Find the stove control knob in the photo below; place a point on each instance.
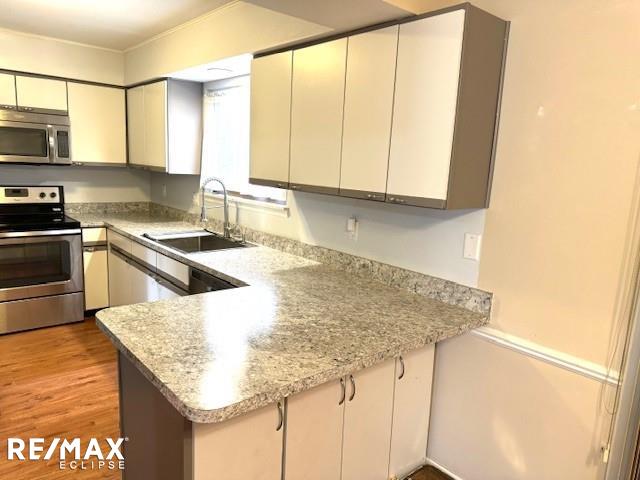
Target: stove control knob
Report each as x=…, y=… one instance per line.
x=42, y=195
x=53, y=194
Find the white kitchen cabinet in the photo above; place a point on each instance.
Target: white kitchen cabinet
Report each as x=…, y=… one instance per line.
x=7, y=91
x=144, y=287
x=317, y=101
x=411, y=409
x=120, y=281
x=368, y=105
x=135, y=125
x=164, y=291
x=271, y=119
x=314, y=433
x=246, y=447
x=367, y=423
x=41, y=94
x=445, y=106
x=96, y=278
x=155, y=125
x=424, y=114
x=165, y=126
x=98, y=124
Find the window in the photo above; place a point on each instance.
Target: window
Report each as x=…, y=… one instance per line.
x=225, y=144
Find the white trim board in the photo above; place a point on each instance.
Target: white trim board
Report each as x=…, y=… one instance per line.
x=435, y=464
x=548, y=355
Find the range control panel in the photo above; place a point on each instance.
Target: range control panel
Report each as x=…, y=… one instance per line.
x=31, y=194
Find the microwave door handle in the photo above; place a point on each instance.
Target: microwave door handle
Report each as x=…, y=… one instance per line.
x=52, y=144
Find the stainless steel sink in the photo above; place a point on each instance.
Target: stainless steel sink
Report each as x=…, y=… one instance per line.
x=196, y=241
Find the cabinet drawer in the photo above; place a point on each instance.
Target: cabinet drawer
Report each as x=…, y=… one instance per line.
x=144, y=254
x=120, y=241
x=92, y=236
x=173, y=268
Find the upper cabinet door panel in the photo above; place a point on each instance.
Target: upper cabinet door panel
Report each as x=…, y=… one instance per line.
x=155, y=125
x=135, y=125
x=98, y=119
x=368, y=104
x=316, y=114
x=424, y=112
x=271, y=117
x=41, y=93
x=7, y=90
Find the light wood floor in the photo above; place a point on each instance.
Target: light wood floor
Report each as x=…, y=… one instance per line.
x=57, y=382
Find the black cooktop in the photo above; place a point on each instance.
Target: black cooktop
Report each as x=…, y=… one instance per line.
x=30, y=223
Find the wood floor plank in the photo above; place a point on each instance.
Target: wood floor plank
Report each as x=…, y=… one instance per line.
x=57, y=382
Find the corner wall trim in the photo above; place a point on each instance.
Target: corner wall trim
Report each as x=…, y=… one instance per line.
x=548, y=355
x=435, y=464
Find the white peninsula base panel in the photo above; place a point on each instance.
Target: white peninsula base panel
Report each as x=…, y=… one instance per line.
x=372, y=424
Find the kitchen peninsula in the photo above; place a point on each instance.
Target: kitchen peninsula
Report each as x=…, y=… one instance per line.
x=304, y=367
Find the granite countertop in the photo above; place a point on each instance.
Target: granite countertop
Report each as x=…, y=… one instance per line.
x=294, y=324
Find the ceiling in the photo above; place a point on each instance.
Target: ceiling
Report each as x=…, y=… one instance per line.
x=121, y=24
x=116, y=24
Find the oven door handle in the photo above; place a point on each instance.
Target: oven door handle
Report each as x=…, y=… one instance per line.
x=41, y=233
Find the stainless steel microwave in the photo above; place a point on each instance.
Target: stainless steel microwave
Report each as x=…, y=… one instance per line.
x=34, y=138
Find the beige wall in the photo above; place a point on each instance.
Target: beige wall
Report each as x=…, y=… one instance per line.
x=234, y=29
x=35, y=54
x=556, y=248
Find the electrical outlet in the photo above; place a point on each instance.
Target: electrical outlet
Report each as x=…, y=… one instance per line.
x=352, y=228
x=472, y=243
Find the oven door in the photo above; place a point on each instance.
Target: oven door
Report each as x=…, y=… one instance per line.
x=25, y=142
x=38, y=264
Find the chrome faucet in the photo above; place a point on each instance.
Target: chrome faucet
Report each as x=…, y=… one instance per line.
x=225, y=204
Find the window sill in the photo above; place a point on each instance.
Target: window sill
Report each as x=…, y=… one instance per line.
x=271, y=208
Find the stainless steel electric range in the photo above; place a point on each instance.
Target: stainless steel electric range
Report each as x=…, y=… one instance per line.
x=41, y=273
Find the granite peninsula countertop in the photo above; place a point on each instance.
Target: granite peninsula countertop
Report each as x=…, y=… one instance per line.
x=294, y=324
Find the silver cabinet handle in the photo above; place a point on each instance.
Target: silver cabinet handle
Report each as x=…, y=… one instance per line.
x=279, y=185
x=343, y=388
x=353, y=388
x=280, y=417
x=401, y=365
x=294, y=187
x=370, y=196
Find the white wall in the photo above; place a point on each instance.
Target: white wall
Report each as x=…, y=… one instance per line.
x=83, y=184
x=47, y=56
x=233, y=29
x=419, y=239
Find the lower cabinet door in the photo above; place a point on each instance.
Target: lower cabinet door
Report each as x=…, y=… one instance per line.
x=96, y=279
x=246, y=447
x=119, y=281
x=314, y=433
x=144, y=287
x=411, y=408
x=367, y=423
x=165, y=293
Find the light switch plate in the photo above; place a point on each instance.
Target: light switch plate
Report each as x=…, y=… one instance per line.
x=472, y=243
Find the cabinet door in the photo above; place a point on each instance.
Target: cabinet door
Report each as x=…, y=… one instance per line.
x=96, y=279
x=98, y=121
x=411, y=409
x=429, y=52
x=135, y=125
x=144, y=287
x=7, y=90
x=368, y=104
x=271, y=118
x=155, y=125
x=164, y=292
x=367, y=423
x=314, y=433
x=41, y=93
x=245, y=447
x=316, y=116
x=119, y=281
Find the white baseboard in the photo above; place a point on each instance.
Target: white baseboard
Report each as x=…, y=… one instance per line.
x=553, y=357
x=443, y=469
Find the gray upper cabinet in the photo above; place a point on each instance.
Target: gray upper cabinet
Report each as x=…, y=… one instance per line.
x=404, y=114
x=165, y=126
